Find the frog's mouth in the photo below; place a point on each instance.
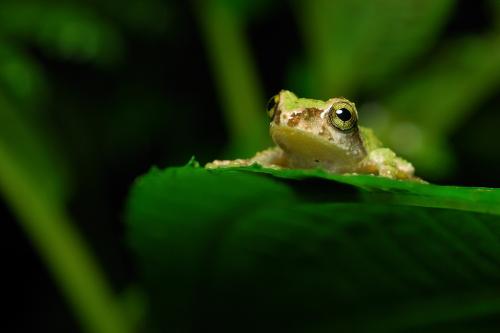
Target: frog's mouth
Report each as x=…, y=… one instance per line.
x=307, y=150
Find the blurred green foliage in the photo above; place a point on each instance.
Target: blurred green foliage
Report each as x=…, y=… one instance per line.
x=35, y=177
x=384, y=37
x=92, y=93
x=236, y=76
x=70, y=31
x=416, y=106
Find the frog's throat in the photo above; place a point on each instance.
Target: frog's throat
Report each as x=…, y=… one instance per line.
x=307, y=150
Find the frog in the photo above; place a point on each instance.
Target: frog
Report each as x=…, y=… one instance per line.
x=312, y=134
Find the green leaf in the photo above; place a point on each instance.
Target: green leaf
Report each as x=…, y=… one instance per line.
x=74, y=32
x=359, y=44
x=374, y=188
x=252, y=249
x=35, y=152
x=21, y=77
x=462, y=75
x=150, y=18
x=34, y=184
x=245, y=8
x=235, y=76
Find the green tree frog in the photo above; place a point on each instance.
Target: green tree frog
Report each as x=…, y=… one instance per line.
x=311, y=133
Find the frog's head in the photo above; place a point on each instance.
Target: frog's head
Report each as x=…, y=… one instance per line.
x=316, y=133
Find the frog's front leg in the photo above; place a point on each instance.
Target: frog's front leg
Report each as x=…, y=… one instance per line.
x=270, y=158
x=384, y=162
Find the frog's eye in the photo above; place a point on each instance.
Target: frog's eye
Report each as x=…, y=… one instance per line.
x=343, y=116
x=271, y=106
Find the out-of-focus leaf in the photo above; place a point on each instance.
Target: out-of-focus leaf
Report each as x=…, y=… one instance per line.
x=244, y=8
x=236, y=77
x=462, y=75
x=437, y=99
x=359, y=44
x=254, y=249
x=21, y=78
x=33, y=186
x=71, y=31
x=148, y=17
x=34, y=152
x=495, y=5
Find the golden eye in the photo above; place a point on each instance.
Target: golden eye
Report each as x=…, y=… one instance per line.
x=343, y=116
x=271, y=106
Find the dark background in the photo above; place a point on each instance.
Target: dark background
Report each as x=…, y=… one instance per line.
x=134, y=85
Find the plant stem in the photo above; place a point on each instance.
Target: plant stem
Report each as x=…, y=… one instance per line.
x=60, y=246
x=235, y=76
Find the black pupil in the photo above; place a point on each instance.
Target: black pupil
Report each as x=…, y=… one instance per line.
x=271, y=104
x=343, y=114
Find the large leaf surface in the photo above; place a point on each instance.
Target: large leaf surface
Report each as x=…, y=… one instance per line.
x=255, y=249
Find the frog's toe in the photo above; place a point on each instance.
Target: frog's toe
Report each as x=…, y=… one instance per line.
x=227, y=163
